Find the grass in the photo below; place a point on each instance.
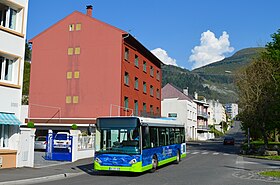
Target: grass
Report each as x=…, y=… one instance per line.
x=271, y=173
x=276, y=158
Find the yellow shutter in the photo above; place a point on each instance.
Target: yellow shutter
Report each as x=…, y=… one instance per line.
x=77, y=51
x=78, y=26
x=75, y=99
x=70, y=51
x=76, y=74
x=68, y=99
x=69, y=75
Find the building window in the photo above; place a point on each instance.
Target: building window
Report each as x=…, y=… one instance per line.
x=77, y=51
x=70, y=51
x=158, y=113
x=6, y=69
x=71, y=27
x=78, y=27
x=158, y=95
x=69, y=75
x=151, y=109
x=4, y=136
x=126, y=102
x=12, y=19
x=126, y=53
x=8, y=17
x=136, y=83
x=135, y=107
x=152, y=71
x=68, y=99
x=144, y=87
x=126, y=78
x=136, y=59
x=151, y=90
x=144, y=66
x=75, y=99
x=144, y=107
x=158, y=75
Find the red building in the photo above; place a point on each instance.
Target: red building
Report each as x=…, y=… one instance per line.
x=83, y=68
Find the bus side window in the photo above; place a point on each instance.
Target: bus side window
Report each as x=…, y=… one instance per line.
x=172, y=136
x=154, y=137
x=162, y=136
x=145, y=137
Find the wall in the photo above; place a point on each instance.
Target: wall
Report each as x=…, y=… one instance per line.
x=25, y=153
x=99, y=64
x=181, y=107
x=137, y=71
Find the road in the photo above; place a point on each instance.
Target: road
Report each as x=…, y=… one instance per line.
x=209, y=163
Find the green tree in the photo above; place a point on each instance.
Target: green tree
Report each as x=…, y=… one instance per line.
x=26, y=74
x=259, y=92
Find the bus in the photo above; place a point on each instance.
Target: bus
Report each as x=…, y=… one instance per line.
x=137, y=144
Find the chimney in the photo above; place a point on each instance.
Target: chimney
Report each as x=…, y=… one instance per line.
x=89, y=10
x=186, y=91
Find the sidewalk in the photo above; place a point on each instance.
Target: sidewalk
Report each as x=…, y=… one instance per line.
x=39, y=175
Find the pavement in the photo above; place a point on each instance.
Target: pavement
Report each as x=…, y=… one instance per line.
x=44, y=174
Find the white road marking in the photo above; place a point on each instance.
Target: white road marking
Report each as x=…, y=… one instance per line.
x=195, y=153
x=215, y=153
x=204, y=153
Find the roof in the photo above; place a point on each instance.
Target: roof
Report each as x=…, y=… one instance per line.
x=170, y=91
x=80, y=14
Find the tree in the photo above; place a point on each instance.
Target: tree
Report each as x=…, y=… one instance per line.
x=259, y=92
x=256, y=87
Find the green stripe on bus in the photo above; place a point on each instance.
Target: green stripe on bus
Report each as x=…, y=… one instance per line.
x=183, y=155
x=166, y=161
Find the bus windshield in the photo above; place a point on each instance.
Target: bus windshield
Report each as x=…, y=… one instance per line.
x=119, y=140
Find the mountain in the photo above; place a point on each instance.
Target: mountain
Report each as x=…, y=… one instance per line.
x=214, y=81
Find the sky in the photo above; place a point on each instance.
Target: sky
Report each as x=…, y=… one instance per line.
x=184, y=33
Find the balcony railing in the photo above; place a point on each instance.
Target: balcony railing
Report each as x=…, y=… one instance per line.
x=202, y=114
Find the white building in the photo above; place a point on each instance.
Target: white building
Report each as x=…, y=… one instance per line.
x=179, y=105
x=13, y=19
x=217, y=114
x=232, y=110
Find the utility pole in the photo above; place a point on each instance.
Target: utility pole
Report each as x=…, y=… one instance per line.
x=248, y=137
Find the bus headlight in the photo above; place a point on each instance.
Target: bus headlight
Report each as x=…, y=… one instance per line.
x=133, y=161
x=98, y=160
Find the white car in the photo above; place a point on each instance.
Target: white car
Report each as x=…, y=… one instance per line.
x=40, y=143
x=61, y=140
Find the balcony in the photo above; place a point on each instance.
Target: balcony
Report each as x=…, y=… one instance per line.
x=202, y=114
x=203, y=128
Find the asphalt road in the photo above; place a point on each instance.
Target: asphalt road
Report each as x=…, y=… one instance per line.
x=207, y=163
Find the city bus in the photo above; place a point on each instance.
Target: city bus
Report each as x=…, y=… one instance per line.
x=137, y=144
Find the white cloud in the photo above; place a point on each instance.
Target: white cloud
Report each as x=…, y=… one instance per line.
x=163, y=56
x=211, y=49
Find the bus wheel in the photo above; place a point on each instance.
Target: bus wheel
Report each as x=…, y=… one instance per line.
x=154, y=164
x=178, y=157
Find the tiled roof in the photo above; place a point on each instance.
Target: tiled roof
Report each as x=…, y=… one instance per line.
x=170, y=91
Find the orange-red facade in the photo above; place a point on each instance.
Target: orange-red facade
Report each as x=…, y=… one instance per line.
x=78, y=71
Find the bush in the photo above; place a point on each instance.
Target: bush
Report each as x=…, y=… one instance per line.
x=30, y=124
x=74, y=127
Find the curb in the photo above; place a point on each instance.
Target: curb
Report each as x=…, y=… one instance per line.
x=42, y=179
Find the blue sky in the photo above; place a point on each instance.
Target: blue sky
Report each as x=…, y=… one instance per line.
x=175, y=30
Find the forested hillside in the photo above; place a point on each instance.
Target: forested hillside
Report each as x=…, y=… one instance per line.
x=214, y=81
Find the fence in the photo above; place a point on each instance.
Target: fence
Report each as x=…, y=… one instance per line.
x=85, y=142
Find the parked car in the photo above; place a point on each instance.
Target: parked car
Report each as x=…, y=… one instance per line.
x=228, y=140
x=40, y=143
x=61, y=140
